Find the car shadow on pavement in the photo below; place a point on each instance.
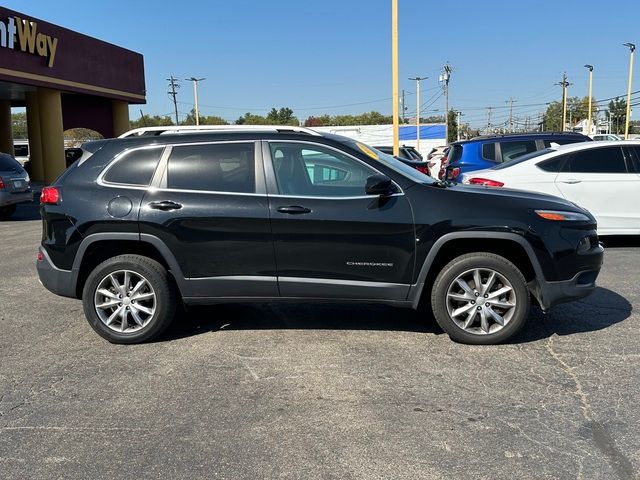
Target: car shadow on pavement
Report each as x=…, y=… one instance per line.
x=600, y=310
x=620, y=241
x=26, y=211
x=303, y=316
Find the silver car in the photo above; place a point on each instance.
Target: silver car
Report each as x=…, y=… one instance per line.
x=15, y=186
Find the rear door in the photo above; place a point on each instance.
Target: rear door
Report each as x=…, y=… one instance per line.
x=603, y=181
x=210, y=209
x=331, y=239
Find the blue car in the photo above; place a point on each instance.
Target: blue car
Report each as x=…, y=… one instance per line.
x=489, y=150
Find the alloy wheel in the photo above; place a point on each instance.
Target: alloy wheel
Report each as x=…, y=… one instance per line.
x=125, y=301
x=481, y=301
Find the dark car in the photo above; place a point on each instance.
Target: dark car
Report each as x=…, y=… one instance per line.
x=287, y=214
x=15, y=185
x=405, y=152
x=409, y=156
x=489, y=150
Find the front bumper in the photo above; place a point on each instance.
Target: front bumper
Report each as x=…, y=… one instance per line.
x=60, y=282
x=579, y=286
x=8, y=198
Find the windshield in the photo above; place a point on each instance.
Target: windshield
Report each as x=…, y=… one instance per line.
x=523, y=158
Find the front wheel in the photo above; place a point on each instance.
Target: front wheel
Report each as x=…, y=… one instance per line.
x=129, y=299
x=480, y=298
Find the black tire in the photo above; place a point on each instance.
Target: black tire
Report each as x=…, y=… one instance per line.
x=158, y=278
x=468, y=262
x=6, y=212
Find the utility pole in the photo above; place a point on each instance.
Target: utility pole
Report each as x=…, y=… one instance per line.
x=590, y=67
x=488, y=119
x=417, y=79
x=564, y=84
x=195, y=96
x=173, y=85
x=510, y=102
x=632, y=49
x=394, y=76
x=444, y=78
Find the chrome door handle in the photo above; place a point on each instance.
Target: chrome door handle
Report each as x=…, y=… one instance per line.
x=571, y=181
x=165, y=205
x=294, y=210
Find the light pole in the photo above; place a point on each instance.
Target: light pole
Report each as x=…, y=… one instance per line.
x=195, y=95
x=417, y=79
x=590, y=67
x=394, y=76
x=632, y=48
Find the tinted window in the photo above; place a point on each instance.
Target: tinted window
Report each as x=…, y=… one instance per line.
x=7, y=163
x=636, y=150
x=511, y=150
x=135, y=167
x=21, y=150
x=455, y=153
x=489, y=151
x=523, y=158
x=597, y=160
x=224, y=167
x=310, y=170
x=553, y=165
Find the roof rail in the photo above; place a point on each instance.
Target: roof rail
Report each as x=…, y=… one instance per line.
x=521, y=134
x=180, y=129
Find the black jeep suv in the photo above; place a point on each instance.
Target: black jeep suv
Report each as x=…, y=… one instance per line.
x=140, y=224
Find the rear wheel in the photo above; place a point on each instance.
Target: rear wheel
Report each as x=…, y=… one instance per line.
x=129, y=299
x=6, y=212
x=480, y=298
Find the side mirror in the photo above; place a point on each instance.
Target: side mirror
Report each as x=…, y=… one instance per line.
x=379, y=185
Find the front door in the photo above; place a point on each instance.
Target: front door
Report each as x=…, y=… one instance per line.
x=330, y=238
x=210, y=209
x=602, y=180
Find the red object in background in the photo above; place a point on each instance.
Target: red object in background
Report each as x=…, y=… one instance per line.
x=485, y=181
x=49, y=196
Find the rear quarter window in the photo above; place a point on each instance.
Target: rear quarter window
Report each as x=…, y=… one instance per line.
x=135, y=167
x=489, y=151
x=8, y=163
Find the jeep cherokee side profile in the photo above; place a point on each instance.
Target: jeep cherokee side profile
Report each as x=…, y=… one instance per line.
x=285, y=213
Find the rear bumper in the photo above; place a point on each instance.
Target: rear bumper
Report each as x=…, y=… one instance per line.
x=581, y=285
x=8, y=198
x=60, y=282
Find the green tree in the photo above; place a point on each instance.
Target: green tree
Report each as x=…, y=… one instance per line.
x=19, y=125
x=577, y=110
x=452, y=124
x=208, y=120
x=251, y=119
x=617, y=115
x=284, y=116
x=151, y=121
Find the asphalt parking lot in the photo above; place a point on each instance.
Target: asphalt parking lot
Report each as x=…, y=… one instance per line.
x=316, y=391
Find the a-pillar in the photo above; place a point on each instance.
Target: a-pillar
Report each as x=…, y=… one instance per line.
x=51, y=133
x=36, y=163
x=6, y=133
x=120, y=115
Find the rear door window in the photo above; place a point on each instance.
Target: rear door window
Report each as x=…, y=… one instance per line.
x=135, y=167
x=220, y=167
x=515, y=149
x=597, y=160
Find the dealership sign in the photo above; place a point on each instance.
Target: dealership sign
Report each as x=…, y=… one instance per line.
x=19, y=34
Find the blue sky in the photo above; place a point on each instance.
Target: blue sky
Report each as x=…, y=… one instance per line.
x=333, y=56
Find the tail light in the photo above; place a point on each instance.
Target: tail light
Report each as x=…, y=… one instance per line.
x=423, y=169
x=444, y=161
x=50, y=196
x=453, y=173
x=485, y=181
x=1, y=184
